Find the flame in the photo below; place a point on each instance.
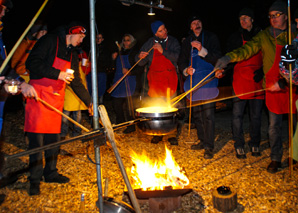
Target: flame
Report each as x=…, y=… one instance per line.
x=150, y=174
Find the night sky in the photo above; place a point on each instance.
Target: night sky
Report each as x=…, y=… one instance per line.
x=115, y=19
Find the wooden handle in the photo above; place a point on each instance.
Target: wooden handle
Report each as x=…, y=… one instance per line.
x=118, y=82
x=61, y=113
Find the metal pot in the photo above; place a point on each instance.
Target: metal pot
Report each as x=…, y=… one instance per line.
x=160, y=122
x=110, y=205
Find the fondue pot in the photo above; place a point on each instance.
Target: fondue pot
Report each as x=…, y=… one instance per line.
x=159, y=120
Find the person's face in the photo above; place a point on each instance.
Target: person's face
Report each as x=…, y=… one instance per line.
x=76, y=39
x=3, y=10
x=126, y=42
x=196, y=26
x=41, y=33
x=99, y=39
x=278, y=20
x=246, y=22
x=162, y=32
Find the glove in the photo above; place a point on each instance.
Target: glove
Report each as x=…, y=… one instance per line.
x=289, y=53
x=222, y=62
x=258, y=75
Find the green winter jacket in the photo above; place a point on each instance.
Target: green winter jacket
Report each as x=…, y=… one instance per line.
x=263, y=41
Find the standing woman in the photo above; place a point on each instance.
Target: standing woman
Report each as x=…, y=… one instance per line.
x=127, y=89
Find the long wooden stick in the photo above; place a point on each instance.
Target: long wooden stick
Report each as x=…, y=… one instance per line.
x=190, y=96
x=5, y=62
x=192, y=89
x=290, y=98
x=61, y=113
x=233, y=96
x=118, y=82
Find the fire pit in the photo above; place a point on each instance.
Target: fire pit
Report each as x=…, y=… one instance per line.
x=162, y=182
x=161, y=120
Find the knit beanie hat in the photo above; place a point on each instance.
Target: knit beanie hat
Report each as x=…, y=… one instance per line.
x=7, y=3
x=247, y=12
x=37, y=27
x=195, y=17
x=279, y=6
x=155, y=25
x=75, y=28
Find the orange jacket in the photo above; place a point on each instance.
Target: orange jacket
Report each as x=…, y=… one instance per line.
x=20, y=56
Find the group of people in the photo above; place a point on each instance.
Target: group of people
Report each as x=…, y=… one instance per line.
x=44, y=57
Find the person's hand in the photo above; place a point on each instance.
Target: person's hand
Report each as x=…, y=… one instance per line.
x=124, y=70
x=222, y=62
x=219, y=73
x=2, y=78
x=197, y=45
x=157, y=46
x=274, y=88
x=67, y=77
x=90, y=109
x=190, y=71
x=28, y=90
x=114, y=55
x=143, y=55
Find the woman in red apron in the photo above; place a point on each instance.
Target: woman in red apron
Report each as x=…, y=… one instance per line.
x=47, y=62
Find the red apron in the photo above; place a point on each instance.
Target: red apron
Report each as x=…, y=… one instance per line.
x=278, y=102
x=243, y=77
x=161, y=75
x=38, y=117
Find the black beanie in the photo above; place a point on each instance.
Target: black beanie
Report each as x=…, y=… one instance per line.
x=279, y=6
x=247, y=12
x=195, y=17
x=7, y=3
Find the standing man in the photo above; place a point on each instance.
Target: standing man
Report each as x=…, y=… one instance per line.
x=247, y=77
x=199, y=52
x=21, y=54
x=47, y=63
x=270, y=41
x=103, y=63
x=162, y=62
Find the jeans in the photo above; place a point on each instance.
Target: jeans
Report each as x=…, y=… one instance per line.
x=255, y=117
x=77, y=116
x=35, y=160
x=204, y=120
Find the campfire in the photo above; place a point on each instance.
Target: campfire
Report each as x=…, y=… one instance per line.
x=161, y=174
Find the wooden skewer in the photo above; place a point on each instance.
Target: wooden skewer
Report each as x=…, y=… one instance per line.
x=192, y=89
x=233, y=96
x=190, y=96
x=118, y=82
x=61, y=113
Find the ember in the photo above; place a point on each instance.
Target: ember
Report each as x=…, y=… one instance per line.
x=149, y=174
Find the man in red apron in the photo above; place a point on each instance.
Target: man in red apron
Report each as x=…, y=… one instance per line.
x=162, y=62
x=270, y=41
x=47, y=63
x=247, y=77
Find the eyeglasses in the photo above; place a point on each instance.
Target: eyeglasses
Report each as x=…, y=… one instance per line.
x=77, y=30
x=275, y=15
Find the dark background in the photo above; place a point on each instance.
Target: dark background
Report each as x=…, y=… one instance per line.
x=115, y=19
